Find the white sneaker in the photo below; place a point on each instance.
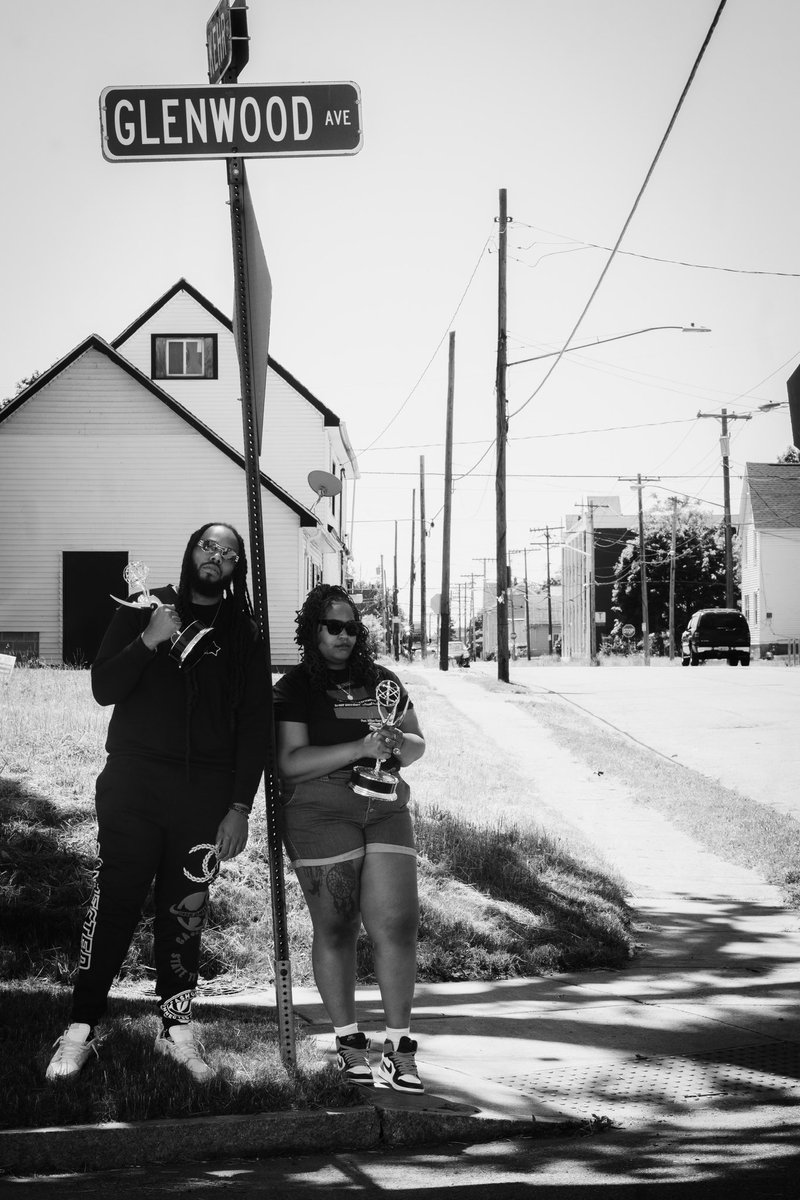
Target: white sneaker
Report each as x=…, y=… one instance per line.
x=73, y=1048
x=179, y=1044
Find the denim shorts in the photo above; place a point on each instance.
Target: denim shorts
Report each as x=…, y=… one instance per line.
x=324, y=821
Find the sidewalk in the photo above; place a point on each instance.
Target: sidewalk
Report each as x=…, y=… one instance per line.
x=699, y=1038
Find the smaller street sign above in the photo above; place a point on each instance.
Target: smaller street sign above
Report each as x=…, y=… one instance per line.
x=282, y=120
x=219, y=42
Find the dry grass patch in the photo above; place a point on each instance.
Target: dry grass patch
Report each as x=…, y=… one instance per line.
x=499, y=895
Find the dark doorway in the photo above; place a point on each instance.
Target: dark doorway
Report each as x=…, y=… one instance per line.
x=90, y=578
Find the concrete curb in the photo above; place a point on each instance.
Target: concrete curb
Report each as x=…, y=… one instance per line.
x=119, y=1145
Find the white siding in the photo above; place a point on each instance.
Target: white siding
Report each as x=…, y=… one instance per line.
x=779, y=571
x=95, y=462
x=294, y=441
x=216, y=402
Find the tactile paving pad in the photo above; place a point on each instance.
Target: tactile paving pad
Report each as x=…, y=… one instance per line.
x=765, y=1073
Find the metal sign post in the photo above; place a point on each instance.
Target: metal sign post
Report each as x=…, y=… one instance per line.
x=250, y=427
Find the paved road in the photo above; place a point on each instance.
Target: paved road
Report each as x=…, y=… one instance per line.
x=734, y=724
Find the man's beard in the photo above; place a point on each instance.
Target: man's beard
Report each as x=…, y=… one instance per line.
x=212, y=587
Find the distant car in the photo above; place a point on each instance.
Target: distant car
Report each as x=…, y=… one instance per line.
x=716, y=633
x=458, y=654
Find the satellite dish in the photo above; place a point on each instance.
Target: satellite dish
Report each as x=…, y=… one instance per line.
x=324, y=484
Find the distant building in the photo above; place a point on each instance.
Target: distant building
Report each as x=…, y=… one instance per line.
x=769, y=532
x=539, y=628
x=612, y=531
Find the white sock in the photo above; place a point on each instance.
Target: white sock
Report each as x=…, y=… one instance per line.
x=394, y=1035
x=345, y=1030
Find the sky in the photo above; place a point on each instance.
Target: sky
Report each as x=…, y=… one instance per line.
x=376, y=257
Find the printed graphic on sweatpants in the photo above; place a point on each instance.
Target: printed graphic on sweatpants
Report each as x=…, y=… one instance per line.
x=177, y=1010
x=191, y=912
x=90, y=922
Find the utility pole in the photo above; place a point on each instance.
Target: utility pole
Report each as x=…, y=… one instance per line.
x=411, y=579
x=725, y=444
x=640, y=481
x=545, y=529
x=513, y=614
x=483, y=607
x=387, y=642
x=444, y=611
x=672, y=546
x=502, y=435
x=423, y=598
x=395, y=618
x=527, y=611
x=591, y=631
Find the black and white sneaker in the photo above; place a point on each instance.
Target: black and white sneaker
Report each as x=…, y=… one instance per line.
x=399, y=1068
x=352, y=1059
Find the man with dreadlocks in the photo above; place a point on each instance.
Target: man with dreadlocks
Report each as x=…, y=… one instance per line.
x=185, y=752
x=354, y=854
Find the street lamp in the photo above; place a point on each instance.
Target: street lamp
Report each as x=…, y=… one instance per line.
x=502, y=417
x=616, y=338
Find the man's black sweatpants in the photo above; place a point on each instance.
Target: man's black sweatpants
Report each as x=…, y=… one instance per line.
x=150, y=819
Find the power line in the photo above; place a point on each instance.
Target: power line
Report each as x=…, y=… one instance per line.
x=580, y=244
x=436, y=351
x=636, y=202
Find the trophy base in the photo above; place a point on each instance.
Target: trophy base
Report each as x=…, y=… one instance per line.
x=186, y=642
x=379, y=785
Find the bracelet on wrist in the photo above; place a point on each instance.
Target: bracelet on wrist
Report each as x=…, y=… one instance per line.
x=239, y=808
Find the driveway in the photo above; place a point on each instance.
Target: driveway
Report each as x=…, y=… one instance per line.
x=740, y=726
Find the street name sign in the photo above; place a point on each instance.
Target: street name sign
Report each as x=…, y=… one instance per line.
x=219, y=42
x=281, y=120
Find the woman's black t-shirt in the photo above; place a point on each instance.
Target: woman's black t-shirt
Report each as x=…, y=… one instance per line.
x=339, y=714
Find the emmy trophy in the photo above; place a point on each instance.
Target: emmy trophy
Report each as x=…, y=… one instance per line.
x=135, y=575
x=372, y=781
x=182, y=643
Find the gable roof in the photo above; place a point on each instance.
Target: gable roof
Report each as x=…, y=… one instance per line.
x=329, y=418
x=93, y=342
x=774, y=494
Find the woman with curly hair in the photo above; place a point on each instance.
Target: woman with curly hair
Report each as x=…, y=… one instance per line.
x=354, y=854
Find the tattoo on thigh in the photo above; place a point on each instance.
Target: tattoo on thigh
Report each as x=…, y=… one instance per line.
x=339, y=881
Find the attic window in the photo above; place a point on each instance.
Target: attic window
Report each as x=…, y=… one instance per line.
x=184, y=356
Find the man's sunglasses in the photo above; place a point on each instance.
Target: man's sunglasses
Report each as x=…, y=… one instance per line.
x=334, y=628
x=212, y=547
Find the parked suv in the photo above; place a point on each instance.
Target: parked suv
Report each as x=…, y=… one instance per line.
x=716, y=633
x=458, y=654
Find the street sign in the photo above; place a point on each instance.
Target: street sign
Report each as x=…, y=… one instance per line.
x=628, y=631
x=219, y=42
x=282, y=120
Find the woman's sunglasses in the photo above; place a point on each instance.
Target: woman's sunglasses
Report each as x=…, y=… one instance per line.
x=334, y=628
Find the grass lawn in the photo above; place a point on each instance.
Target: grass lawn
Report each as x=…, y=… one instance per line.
x=732, y=825
x=499, y=896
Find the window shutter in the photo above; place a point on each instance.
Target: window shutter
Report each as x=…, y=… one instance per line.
x=210, y=366
x=160, y=358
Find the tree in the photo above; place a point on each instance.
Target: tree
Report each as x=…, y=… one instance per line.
x=699, y=567
x=20, y=387
x=790, y=455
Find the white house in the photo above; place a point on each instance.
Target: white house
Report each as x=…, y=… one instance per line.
x=119, y=450
x=769, y=531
